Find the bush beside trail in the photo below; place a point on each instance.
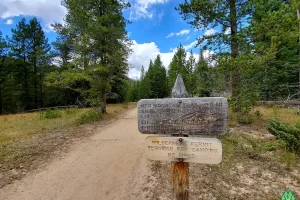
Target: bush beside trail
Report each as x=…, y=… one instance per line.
x=286, y=132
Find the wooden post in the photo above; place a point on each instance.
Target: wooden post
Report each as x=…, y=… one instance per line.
x=180, y=170
x=180, y=177
x=298, y=16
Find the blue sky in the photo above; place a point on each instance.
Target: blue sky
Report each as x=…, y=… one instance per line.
x=157, y=28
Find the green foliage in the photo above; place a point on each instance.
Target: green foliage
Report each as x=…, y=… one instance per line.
x=286, y=132
x=29, y=59
x=204, y=78
x=274, y=145
x=288, y=195
x=289, y=158
x=152, y=84
x=95, y=32
x=177, y=66
x=246, y=119
x=50, y=114
x=71, y=111
x=94, y=114
x=158, y=79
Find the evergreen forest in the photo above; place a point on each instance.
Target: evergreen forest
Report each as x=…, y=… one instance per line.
x=256, y=57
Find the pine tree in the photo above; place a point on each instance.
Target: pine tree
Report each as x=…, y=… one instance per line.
x=190, y=78
x=63, y=47
x=203, y=76
x=38, y=50
x=177, y=66
x=101, y=48
x=274, y=30
x=227, y=14
x=19, y=45
x=3, y=72
x=144, y=85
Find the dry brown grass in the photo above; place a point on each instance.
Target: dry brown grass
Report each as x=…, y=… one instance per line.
x=23, y=126
x=20, y=127
x=288, y=115
x=260, y=115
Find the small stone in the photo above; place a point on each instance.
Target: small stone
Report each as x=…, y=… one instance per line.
x=21, y=167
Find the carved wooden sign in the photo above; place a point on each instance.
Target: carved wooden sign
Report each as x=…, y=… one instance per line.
x=184, y=149
x=189, y=116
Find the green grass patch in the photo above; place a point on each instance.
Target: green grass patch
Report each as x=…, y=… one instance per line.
x=89, y=116
x=50, y=114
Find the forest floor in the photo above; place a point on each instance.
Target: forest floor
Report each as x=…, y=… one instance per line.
x=106, y=161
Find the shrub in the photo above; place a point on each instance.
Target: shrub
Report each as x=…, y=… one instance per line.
x=71, y=111
x=89, y=116
x=288, y=157
x=286, y=132
x=50, y=114
x=246, y=119
x=274, y=145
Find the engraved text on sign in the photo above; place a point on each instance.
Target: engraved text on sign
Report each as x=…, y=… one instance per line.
x=195, y=150
x=183, y=116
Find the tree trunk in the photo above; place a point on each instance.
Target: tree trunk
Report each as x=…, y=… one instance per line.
x=41, y=92
x=26, y=99
x=298, y=15
x=1, y=84
x=234, y=47
x=104, y=103
x=35, y=85
x=1, y=106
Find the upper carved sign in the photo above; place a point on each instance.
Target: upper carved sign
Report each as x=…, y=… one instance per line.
x=190, y=116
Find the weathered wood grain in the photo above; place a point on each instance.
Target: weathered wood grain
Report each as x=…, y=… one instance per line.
x=188, y=116
x=184, y=149
x=180, y=177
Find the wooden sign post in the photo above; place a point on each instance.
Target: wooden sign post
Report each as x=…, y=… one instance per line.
x=180, y=117
x=180, y=170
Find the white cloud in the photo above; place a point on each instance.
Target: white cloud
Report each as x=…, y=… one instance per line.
x=142, y=8
x=9, y=21
x=49, y=11
x=142, y=53
x=190, y=46
x=209, y=32
x=182, y=32
x=170, y=35
x=227, y=31
x=160, y=15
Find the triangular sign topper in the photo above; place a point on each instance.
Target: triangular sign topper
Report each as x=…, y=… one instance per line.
x=179, y=90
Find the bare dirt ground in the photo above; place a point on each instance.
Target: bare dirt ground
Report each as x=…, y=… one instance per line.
x=110, y=164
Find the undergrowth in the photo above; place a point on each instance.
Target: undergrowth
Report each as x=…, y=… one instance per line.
x=89, y=116
x=50, y=114
x=285, y=132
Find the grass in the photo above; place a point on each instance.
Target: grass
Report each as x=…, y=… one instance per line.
x=259, y=116
x=27, y=139
x=254, y=164
x=24, y=126
x=20, y=127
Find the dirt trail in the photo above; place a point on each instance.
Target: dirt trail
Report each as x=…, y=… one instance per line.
x=109, y=165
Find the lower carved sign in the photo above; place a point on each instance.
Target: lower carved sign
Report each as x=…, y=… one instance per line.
x=190, y=116
x=184, y=149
